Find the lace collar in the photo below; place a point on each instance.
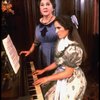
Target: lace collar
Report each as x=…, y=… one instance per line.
x=63, y=43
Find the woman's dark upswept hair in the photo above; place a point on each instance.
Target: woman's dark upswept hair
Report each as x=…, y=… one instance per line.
x=52, y=1
x=73, y=35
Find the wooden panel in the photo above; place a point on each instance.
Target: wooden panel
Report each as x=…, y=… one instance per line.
x=86, y=24
x=65, y=7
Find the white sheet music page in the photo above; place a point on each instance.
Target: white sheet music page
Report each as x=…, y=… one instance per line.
x=11, y=53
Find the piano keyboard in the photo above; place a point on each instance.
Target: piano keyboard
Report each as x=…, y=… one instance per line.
x=35, y=91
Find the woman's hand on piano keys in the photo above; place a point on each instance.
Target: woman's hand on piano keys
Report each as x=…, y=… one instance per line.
x=41, y=81
x=38, y=72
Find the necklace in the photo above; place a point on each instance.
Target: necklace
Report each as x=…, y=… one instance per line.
x=48, y=21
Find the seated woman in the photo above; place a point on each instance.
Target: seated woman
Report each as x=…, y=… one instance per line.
x=69, y=82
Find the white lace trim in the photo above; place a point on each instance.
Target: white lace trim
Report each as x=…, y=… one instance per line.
x=64, y=43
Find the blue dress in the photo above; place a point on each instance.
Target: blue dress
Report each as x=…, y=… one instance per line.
x=46, y=37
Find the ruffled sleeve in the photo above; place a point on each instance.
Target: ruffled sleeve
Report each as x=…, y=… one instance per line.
x=70, y=57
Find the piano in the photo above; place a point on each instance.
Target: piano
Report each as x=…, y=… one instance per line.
x=30, y=92
x=21, y=84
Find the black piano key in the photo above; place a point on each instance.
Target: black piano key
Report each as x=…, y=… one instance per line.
x=34, y=97
x=30, y=80
x=30, y=84
x=32, y=92
x=30, y=77
x=30, y=74
x=30, y=88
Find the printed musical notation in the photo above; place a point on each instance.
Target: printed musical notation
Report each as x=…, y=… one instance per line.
x=11, y=53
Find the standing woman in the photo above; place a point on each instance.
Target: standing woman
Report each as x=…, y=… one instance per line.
x=45, y=35
x=68, y=81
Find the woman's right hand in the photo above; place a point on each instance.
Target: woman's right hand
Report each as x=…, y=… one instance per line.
x=38, y=72
x=25, y=52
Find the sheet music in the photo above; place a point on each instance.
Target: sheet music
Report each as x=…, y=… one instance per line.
x=11, y=53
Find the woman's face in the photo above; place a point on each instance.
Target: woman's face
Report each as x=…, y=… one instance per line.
x=46, y=7
x=60, y=30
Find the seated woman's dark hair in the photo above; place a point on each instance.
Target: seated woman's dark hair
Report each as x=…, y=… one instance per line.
x=73, y=35
x=67, y=23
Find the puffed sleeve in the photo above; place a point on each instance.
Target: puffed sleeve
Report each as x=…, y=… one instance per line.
x=71, y=57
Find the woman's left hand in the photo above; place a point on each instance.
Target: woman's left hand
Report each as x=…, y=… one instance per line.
x=41, y=81
x=38, y=72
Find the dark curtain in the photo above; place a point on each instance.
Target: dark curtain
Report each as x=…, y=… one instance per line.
x=96, y=16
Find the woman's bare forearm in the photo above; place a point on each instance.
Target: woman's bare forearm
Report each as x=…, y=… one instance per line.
x=32, y=48
x=50, y=67
x=65, y=74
